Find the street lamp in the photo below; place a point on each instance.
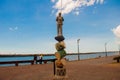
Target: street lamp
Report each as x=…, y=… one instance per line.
x=106, y=48
x=78, y=48
x=119, y=48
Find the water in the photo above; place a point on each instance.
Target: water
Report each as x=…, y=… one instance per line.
x=89, y=56
x=68, y=57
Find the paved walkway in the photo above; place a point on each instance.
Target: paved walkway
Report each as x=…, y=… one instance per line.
x=92, y=69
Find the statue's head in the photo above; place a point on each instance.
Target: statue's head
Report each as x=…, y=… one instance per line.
x=60, y=14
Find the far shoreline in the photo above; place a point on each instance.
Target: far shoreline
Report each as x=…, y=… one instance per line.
x=15, y=54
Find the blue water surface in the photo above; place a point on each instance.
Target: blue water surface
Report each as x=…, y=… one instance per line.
x=68, y=57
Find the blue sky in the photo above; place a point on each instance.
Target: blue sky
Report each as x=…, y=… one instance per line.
x=29, y=26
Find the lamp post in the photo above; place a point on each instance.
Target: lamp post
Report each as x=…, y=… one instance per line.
x=119, y=48
x=106, y=48
x=78, y=48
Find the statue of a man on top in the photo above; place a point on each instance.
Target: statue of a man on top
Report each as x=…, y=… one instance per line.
x=59, y=20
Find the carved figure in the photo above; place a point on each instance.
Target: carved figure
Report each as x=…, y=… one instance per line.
x=60, y=54
x=59, y=20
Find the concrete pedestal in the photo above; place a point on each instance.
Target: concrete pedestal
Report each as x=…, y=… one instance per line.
x=60, y=74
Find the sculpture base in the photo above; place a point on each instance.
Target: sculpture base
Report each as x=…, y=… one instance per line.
x=60, y=78
x=59, y=38
x=60, y=74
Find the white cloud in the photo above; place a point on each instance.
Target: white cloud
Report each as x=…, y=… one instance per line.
x=16, y=28
x=67, y=6
x=100, y=1
x=53, y=11
x=116, y=31
x=77, y=13
x=13, y=28
x=52, y=0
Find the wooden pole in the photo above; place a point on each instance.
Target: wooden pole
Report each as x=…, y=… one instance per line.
x=54, y=67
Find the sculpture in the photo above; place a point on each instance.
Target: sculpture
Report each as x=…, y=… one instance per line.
x=60, y=70
x=60, y=46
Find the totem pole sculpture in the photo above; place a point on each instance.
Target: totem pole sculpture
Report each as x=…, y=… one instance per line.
x=60, y=73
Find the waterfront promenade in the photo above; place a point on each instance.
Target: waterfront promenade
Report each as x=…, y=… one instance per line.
x=93, y=69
